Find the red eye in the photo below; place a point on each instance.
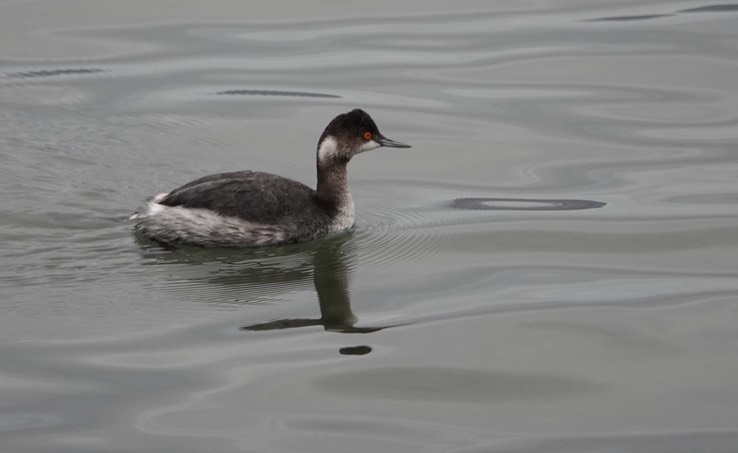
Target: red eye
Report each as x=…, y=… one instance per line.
x=367, y=135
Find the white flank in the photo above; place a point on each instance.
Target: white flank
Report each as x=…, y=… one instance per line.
x=203, y=227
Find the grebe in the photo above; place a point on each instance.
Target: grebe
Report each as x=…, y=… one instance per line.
x=251, y=208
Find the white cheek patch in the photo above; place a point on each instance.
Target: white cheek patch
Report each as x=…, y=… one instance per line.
x=328, y=149
x=368, y=146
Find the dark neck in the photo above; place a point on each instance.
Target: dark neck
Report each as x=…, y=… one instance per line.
x=333, y=187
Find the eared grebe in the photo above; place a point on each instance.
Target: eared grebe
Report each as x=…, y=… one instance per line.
x=251, y=208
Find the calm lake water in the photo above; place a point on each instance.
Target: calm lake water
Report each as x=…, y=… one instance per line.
x=553, y=266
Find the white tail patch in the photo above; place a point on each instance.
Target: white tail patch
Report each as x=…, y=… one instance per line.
x=151, y=208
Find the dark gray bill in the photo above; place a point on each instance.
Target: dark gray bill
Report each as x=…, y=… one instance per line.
x=384, y=141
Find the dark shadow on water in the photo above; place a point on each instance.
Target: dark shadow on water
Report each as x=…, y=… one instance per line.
x=699, y=9
x=523, y=204
x=53, y=73
x=712, y=9
x=277, y=93
x=628, y=18
x=355, y=350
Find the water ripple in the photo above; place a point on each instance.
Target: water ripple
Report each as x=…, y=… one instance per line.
x=558, y=243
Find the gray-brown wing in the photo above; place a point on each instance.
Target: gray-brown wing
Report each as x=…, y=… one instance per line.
x=254, y=196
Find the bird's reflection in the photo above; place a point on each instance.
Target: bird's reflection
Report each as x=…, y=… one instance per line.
x=260, y=274
x=332, y=259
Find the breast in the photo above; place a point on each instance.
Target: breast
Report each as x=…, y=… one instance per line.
x=345, y=216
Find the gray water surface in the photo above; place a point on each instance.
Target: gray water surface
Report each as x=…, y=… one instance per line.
x=550, y=268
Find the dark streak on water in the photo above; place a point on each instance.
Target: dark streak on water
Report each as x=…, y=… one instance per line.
x=278, y=93
x=639, y=17
x=523, y=204
x=629, y=18
x=355, y=350
x=712, y=9
x=53, y=73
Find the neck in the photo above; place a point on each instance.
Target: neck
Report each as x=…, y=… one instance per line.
x=333, y=189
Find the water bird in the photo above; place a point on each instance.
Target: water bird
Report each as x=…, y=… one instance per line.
x=252, y=208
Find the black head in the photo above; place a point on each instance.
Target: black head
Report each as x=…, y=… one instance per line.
x=350, y=134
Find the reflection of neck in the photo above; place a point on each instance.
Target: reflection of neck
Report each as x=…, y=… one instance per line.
x=331, y=284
